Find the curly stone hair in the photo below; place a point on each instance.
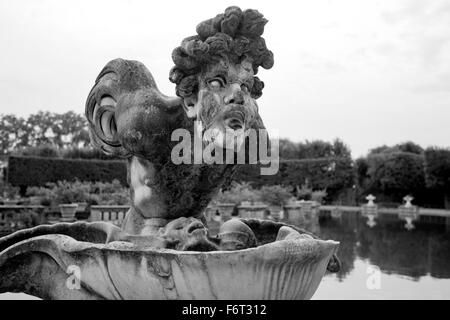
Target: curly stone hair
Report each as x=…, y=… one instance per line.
x=234, y=35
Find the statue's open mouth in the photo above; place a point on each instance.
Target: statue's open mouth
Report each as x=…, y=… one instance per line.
x=235, y=119
x=234, y=124
x=229, y=131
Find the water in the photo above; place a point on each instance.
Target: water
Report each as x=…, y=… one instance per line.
x=412, y=264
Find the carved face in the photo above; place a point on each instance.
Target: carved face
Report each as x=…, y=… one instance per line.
x=224, y=105
x=186, y=234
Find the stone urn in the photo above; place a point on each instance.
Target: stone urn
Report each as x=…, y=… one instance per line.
x=68, y=211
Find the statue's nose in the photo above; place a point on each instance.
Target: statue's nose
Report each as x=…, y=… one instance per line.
x=236, y=96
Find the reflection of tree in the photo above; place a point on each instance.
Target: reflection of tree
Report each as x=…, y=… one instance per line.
x=395, y=250
x=440, y=256
x=343, y=231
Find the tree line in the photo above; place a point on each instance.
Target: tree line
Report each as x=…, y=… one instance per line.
x=391, y=172
x=60, y=130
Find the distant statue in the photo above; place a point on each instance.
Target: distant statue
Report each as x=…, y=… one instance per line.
x=164, y=249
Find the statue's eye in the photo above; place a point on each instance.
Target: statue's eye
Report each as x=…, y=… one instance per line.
x=217, y=82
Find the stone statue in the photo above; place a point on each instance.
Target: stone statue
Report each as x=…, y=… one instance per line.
x=164, y=237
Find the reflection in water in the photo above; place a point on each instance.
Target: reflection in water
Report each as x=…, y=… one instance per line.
x=420, y=256
x=395, y=250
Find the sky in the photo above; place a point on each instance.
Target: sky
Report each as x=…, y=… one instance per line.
x=367, y=72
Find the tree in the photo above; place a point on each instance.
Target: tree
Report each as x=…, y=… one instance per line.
x=61, y=130
x=14, y=132
x=340, y=149
x=408, y=146
x=313, y=149
x=437, y=171
x=391, y=176
x=287, y=149
x=70, y=129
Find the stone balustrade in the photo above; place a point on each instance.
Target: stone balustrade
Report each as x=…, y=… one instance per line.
x=114, y=214
x=258, y=211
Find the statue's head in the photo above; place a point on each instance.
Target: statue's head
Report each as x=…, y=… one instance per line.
x=216, y=84
x=215, y=73
x=186, y=234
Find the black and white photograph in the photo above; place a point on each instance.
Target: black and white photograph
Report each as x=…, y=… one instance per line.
x=224, y=151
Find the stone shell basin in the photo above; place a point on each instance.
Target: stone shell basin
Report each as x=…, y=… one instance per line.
x=46, y=266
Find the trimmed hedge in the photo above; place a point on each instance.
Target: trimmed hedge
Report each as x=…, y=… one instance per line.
x=332, y=174
x=36, y=171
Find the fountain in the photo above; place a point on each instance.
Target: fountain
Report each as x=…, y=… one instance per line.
x=164, y=250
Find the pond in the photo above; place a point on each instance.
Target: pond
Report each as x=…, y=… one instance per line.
x=385, y=261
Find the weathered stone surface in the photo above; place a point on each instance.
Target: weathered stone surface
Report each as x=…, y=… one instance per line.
x=284, y=269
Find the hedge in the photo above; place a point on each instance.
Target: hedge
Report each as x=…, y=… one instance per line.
x=36, y=171
x=332, y=174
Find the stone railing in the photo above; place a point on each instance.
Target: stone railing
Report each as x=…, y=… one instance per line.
x=114, y=214
x=259, y=211
x=300, y=209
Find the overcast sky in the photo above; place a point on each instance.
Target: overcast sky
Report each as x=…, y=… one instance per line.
x=368, y=72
